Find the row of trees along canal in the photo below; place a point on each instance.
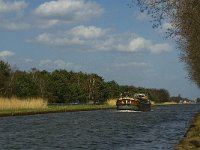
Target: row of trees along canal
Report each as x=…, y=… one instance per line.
x=61, y=86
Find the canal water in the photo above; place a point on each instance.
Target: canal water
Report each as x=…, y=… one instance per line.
x=159, y=129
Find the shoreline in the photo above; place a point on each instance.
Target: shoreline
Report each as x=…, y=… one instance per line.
x=60, y=109
x=53, y=109
x=191, y=139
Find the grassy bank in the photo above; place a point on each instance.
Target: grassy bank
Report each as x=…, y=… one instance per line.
x=53, y=109
x=15, y=107
x=191, y=140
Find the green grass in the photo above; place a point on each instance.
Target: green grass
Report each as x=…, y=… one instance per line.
x=53, y=109
x=191, y=140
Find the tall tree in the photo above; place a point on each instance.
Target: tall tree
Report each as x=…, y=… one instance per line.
x=25, y=86
x=4, y=77
x=58, y=87
x=184, y=16
x=94, y=87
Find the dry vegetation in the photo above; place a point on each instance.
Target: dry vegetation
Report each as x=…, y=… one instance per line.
x=16, y=104
x=191, y=140
x=111, y=102
x=170, y=103
x=18, y=107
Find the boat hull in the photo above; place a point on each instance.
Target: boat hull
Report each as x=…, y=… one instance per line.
x=127, y=107
x=127, y=103
x=143, y=107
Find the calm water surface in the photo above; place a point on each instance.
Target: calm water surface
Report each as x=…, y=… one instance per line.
x=159, y=129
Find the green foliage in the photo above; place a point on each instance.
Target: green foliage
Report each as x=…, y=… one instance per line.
x=4, y=77
x=159, y=95
x=4, y=68
x=58, y=87
x=111, y=90
x=25, y=86
x=198, y=100
x=61, y=86
x=178, y=99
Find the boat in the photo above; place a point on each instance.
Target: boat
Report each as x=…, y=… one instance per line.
x=139, y=102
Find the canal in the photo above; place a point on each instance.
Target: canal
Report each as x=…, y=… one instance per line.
x=159, y=129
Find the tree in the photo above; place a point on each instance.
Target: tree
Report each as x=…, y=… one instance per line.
x=198, y=100
x=77, y=94
x=25, y=86
x=42, y=79
x=111, y=90
x=159, y=95
x=58, y=87
x=4, y=77
x=61, y=86
x=94, y=87
x=184, y=16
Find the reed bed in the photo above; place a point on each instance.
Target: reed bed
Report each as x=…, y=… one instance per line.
x=111, y=102
x=18, y=107
x=16, y=104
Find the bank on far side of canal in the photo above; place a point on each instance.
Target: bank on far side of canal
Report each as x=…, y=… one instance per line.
x=191, y=140
x=53, y=109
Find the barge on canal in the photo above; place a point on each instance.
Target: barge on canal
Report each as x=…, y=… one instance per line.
x=139, y=102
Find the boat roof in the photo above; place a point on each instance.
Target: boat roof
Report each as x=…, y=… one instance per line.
x=126, y=98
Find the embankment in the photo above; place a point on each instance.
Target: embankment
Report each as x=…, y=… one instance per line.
x=191, y=140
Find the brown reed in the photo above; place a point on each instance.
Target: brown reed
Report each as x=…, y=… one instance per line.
x=16, y=103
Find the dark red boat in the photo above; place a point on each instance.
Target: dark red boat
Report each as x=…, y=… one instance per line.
x=140, y=102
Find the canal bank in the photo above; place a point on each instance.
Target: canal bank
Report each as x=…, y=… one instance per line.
x=53, y=109
x=191, y=140
x=63, y=108
x=60, y=109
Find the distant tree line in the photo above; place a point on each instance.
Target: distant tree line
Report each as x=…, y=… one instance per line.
x=198, y=100
x=62, y=86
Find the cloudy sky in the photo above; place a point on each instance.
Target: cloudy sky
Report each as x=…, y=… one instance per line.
x=93, y=36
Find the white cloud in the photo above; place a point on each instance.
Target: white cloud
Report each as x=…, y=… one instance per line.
x=89, y=32
x=62, y=65
x=48, y=14
x=5, y=54
x=16, y=6
x=25, y=24
x=45, y=38
x=130, y=64
x=98, y=39
x=11, y=25
x=28, y=60
x=159, y=48
x=57, y=64
x=141, y=16
x=164, y=27
x=140, y=44
x=46, y=23
x=69, y=10
x=80, y=35
x=137, y=44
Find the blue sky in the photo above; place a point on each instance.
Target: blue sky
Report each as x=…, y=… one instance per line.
x=93, y=36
